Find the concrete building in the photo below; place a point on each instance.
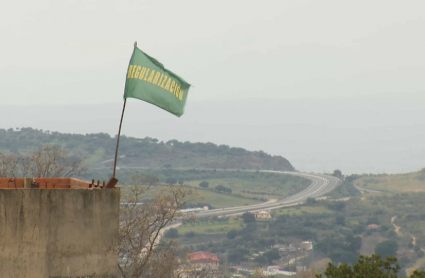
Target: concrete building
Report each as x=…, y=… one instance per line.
x=58, y=228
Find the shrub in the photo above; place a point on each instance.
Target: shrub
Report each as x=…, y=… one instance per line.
x=171, y=233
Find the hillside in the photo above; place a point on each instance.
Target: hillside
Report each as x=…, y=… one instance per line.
x=99, y=150
x=409, y=182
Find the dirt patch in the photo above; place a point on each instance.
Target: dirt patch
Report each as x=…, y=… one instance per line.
x=397, y=228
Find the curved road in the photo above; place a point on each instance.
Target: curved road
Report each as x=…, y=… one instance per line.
x=320, y=185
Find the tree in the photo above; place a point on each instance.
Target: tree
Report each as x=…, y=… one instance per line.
x=352, y=177
x=340, y=220
x=53, y=161
x=222, y=188
x=171, y=233
x=367, y=267
x=248, y=217
x=171, y=181
x=338, y=206
x=310, y=201
x=238, y=255
x=142, y=251
x=261, y=260
x=418, y=274
x=337, y=173
x=232, y=234
x=204, y=184
x=46, y=162
x=353, y=243
x=9, y=166
x=386, y=248
x=342, y=256
x=273, y=254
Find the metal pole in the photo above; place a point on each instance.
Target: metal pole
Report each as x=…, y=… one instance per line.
x=118, y=139
x=113, y=181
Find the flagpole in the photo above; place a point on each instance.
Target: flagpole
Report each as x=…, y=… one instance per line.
x=113, y=181
x=118, y=139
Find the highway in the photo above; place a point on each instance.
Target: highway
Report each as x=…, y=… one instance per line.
x=320, y=185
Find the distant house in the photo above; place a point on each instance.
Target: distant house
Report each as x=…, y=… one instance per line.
x=285, y=248
x=278, y=246
x=273, y=267
x=204, y=260
x=372, y=226
x=274, y=272
x=262, y=214
x=237, y=267
x=306, y=245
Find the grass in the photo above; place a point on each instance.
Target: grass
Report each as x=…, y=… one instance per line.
x=211, y=228
x=218, y=200
x=410, y=182
x=302, y=209
x=96, y=156
x=264, y=188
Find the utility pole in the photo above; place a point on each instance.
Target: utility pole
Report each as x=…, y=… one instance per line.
x=296, y=256
x=288, y=262
x=312, y=249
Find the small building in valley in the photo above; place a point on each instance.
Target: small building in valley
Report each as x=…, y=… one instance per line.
x=372, y=226
x=306, y=245
x=204, y=260
x=262, y=214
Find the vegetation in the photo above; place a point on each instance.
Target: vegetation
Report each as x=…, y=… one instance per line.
x=339, y=229
x=203, y=184
x=210, y=226
x=248, y=217
x=218, y=200
x=171, y=233
x=142, y=252
x=386, y=248
x=249, y=184
x=345, y=189
x=45, y=162
x=337, y=173
x=225, y=188
x=409, y=182
x=367, y=267
x=99, y=148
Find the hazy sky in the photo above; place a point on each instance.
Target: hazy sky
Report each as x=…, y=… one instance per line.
x=316, y=63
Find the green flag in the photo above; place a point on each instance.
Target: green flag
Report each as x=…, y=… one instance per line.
x=148, y=80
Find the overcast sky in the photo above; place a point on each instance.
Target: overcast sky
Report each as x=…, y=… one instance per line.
x=311, y=69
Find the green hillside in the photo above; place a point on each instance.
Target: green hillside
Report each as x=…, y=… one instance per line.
x=99, y=150
x=408, y=182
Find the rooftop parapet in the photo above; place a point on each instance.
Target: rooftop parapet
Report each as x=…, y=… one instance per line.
x=49, y=183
